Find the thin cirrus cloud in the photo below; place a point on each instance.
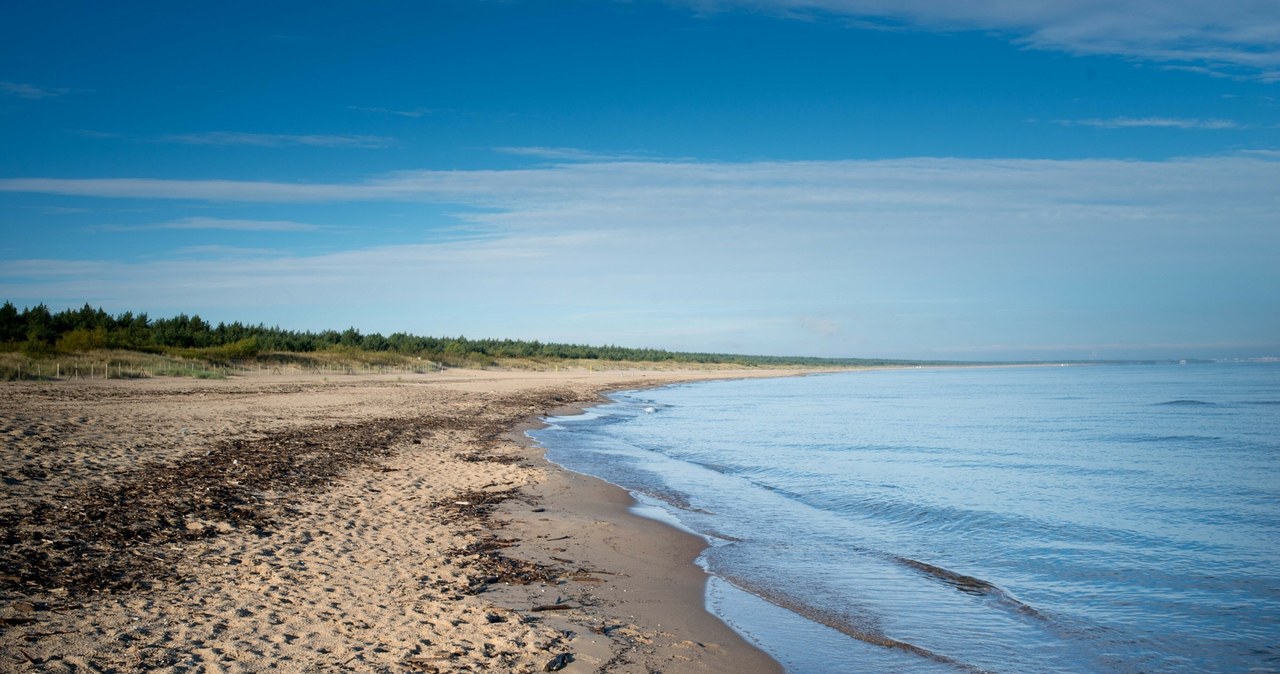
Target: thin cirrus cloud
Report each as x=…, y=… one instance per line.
x=413, y=114
x=278, y=140
x=657, y=189
x=233, y=252
x=1240, y=36
x=205, y=223
x=194, y=190
x=1154, y=123
x=571, y=154
x=32, y=92
x=650, y=193
x=1030, y=209
x=1095, y=251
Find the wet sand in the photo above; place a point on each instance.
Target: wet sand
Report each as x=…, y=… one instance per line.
x=351, y=523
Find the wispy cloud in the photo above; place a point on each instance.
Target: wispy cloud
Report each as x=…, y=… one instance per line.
x=591, y=193
x=414, y=113
x=195, y=223
x=1154, y=122
x=233, y=252
x=1201, y=70
x=1237, y=35
x=60, y=210
x=278, y=140
x=572, y=154
x=195, y=190
x=31, y=91
x=250, y=139
x=1085, y=251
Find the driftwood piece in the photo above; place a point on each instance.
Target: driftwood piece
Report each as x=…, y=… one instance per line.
x=552, y=607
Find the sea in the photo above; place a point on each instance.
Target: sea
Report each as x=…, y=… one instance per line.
x=1095, y=518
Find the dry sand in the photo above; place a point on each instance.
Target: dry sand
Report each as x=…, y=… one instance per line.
x=356, y=523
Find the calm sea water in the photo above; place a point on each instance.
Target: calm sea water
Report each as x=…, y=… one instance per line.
x=1056, y=519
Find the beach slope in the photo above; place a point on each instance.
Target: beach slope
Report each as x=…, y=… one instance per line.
x=352, y=523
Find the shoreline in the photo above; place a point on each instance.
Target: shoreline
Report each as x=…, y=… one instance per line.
x=631, y=560
x=370, y=523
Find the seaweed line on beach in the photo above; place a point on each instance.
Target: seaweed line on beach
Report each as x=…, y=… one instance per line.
x=483, y=559
x=130, y=534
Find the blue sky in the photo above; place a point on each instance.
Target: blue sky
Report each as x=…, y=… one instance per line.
x=917, y=179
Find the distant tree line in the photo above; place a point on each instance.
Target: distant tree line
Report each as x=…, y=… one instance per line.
x=38, y=331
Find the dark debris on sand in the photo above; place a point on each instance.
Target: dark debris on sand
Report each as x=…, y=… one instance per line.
x=130, y=534
x=484, y=560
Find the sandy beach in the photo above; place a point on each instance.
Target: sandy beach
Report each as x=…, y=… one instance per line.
x=368, y=523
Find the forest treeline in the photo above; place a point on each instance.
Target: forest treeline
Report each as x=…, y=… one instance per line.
x=37, y=331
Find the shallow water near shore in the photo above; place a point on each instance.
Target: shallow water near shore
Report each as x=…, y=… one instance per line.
x=1053, y=519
